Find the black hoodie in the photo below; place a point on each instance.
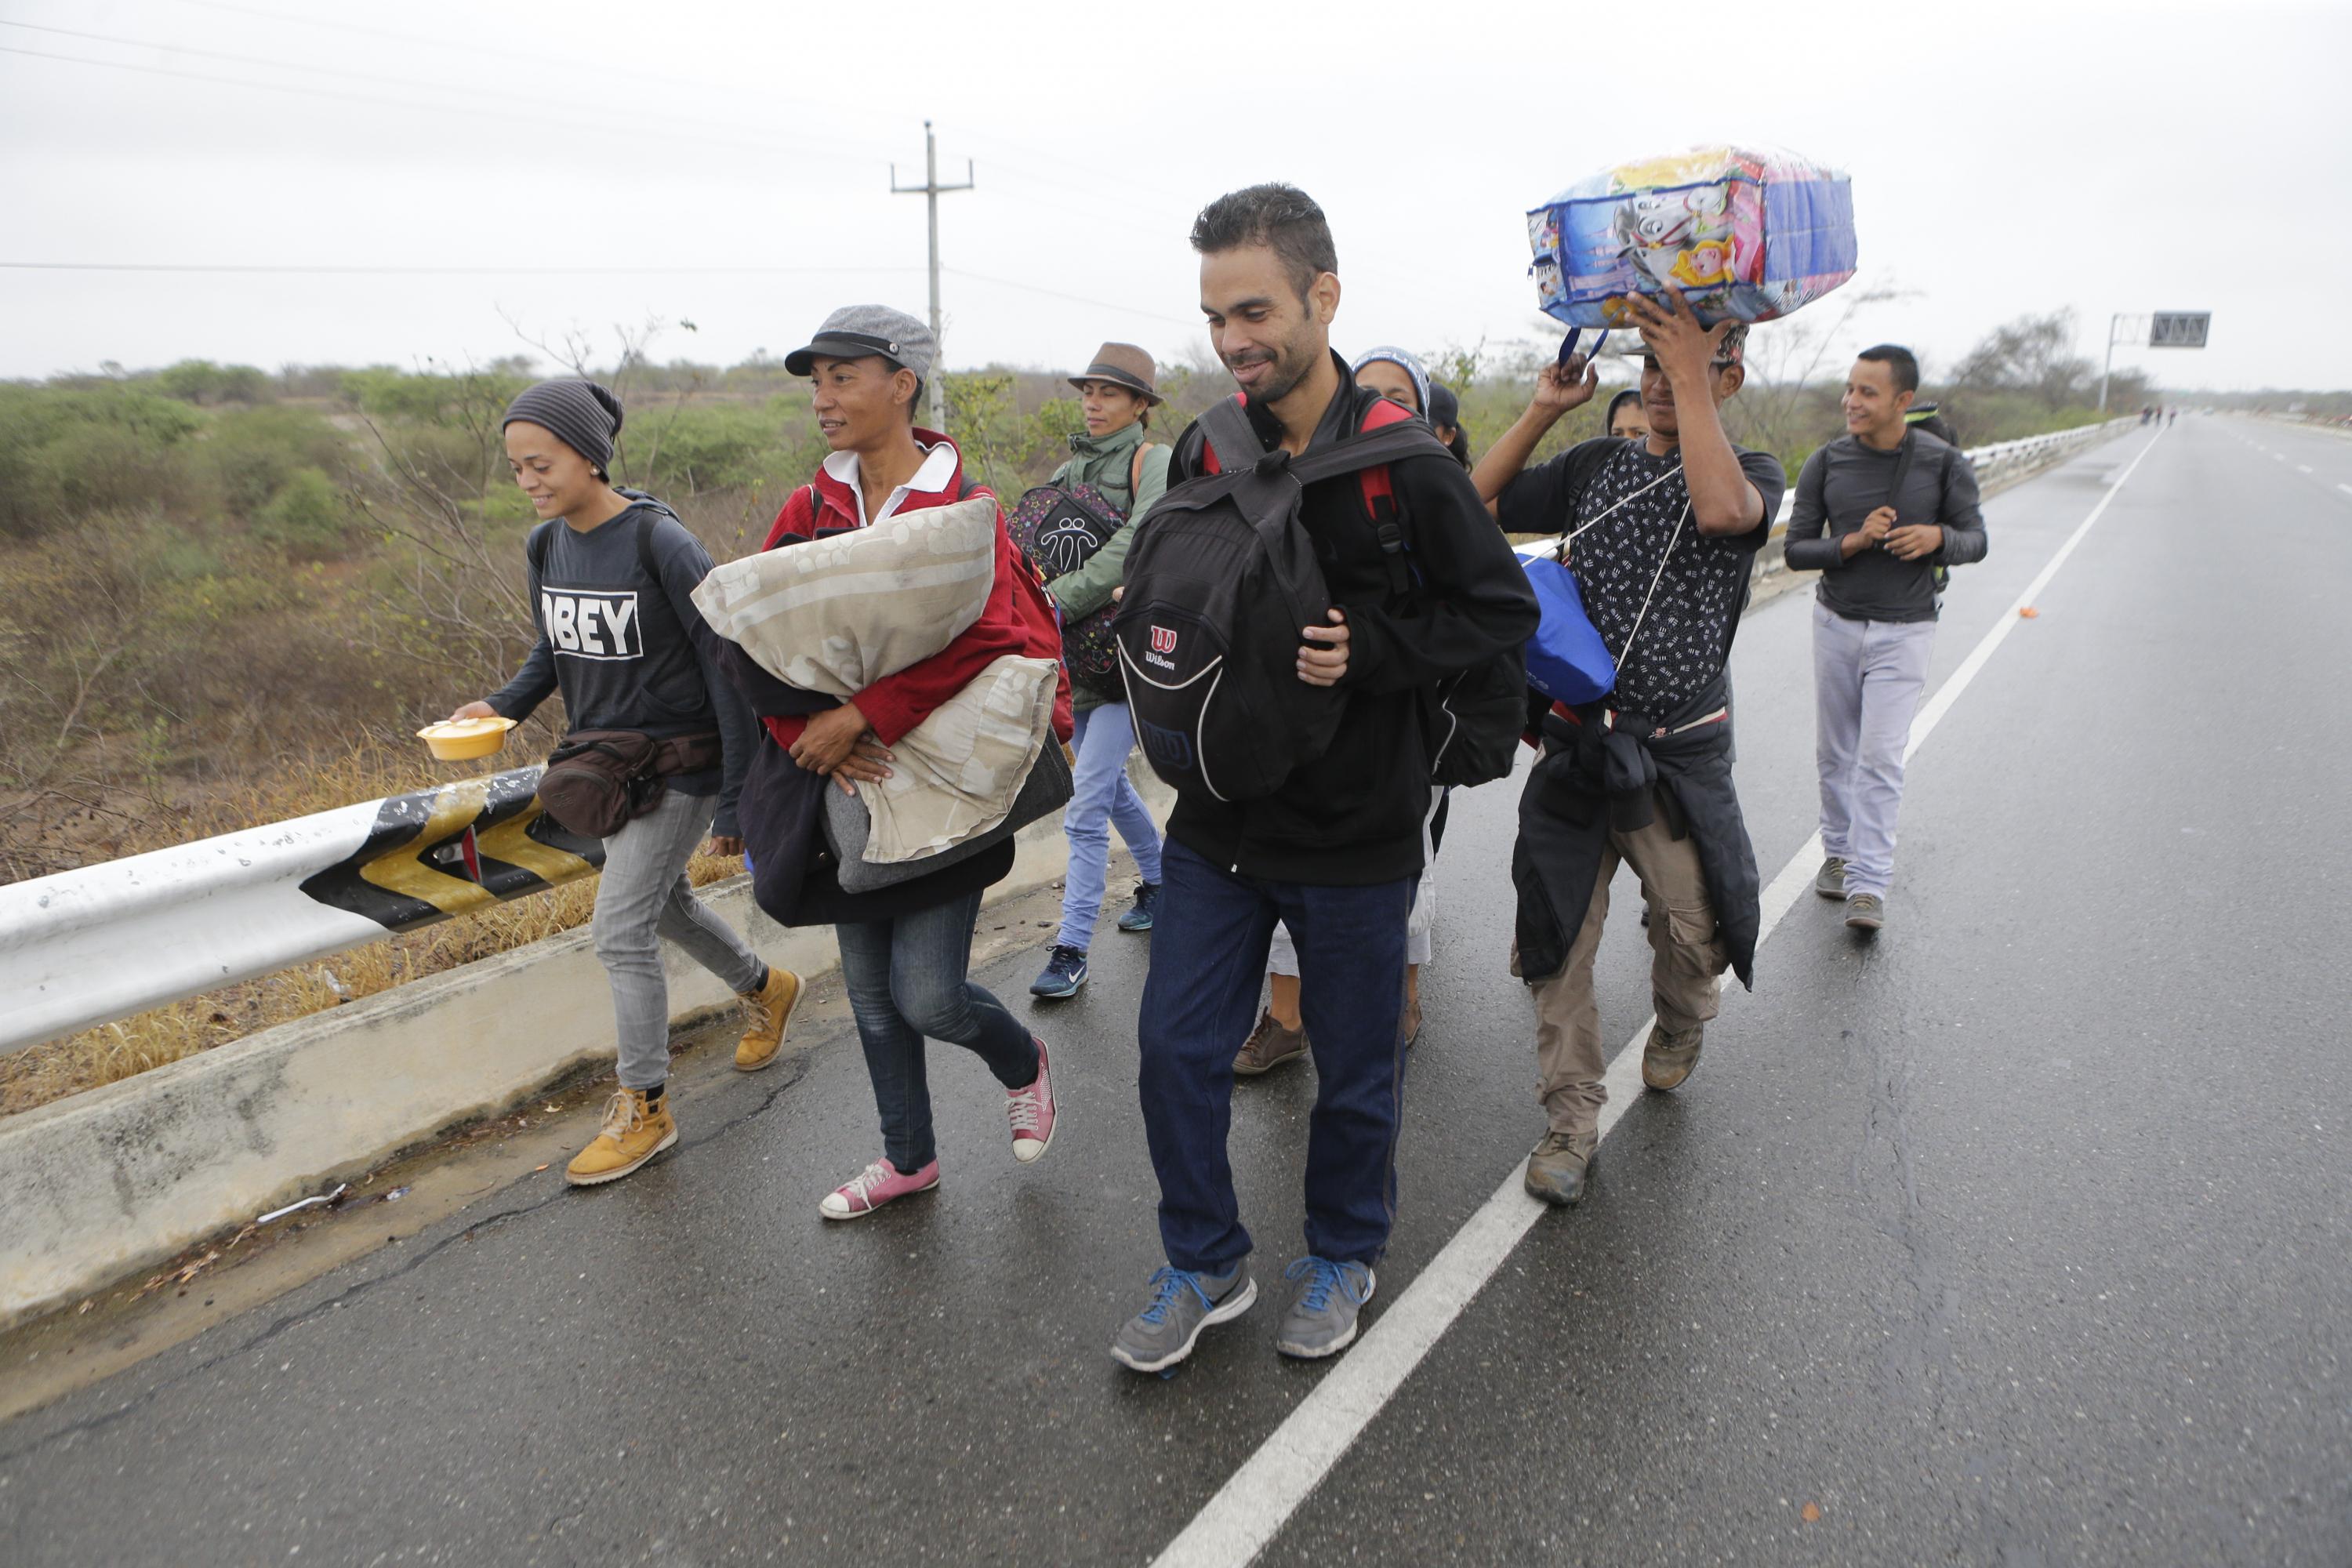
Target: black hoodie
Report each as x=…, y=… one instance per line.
x=1352, y=818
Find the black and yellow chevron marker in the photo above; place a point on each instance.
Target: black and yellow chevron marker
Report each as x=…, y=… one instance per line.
x=442, y=852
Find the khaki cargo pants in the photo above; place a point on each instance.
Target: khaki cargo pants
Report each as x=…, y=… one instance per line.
x=1686, y=965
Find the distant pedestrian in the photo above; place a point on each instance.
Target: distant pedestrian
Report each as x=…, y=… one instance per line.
x=1627, y=421
x=1874, y=610
x=1446, y=418
x=612, y=573
x=1116, y=457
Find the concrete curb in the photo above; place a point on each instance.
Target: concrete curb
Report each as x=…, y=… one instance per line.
x=120, y=1178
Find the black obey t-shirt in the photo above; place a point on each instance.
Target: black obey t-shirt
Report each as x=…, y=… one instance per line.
x=1683, y=637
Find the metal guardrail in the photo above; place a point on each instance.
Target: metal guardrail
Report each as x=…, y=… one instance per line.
x=85, y=947
x=102, y=942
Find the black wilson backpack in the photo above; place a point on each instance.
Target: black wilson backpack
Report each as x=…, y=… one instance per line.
x=1218, y=587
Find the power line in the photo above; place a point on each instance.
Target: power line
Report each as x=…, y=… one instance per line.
x=1073, y=299
x=632, y=127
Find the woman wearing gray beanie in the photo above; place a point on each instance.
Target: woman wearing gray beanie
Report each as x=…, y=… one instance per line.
x=611, y=574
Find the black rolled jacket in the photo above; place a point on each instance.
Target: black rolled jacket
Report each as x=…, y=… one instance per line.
x=1594, y=777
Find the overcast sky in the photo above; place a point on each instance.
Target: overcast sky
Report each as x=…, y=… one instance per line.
x=728, y=164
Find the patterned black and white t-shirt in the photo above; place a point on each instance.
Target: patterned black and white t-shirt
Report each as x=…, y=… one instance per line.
x=1686, y=632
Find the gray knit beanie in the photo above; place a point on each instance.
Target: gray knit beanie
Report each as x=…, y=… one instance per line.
x=584, y=416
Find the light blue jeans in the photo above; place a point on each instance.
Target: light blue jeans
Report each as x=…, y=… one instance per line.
x=1101, y=795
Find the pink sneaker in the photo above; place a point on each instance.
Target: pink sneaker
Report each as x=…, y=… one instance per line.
x=878, y=1184
x=1031, y=1112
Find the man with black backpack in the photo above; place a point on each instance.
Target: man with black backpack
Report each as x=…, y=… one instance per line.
x=1874, y=610
x=1661, y=532
x=1318, y=570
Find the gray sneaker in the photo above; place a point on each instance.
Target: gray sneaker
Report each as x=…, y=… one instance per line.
x=1865, y=911
x=1830, y=880
x=1558, y=1168
x=1669, y=1058
x=1324, y=1298
x=1183, y=1304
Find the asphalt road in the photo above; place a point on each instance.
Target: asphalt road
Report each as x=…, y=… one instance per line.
x=2022, y=1236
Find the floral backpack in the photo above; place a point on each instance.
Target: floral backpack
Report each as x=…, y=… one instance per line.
x=1058, y=528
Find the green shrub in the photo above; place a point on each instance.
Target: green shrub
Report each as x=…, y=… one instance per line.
x=200, y=381
x=65, y=454
x=308, y=516
x=252, y=454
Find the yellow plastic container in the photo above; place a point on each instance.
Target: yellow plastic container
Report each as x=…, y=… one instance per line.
x=462, y=740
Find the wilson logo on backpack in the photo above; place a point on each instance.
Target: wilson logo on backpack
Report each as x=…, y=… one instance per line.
x=1164, y=639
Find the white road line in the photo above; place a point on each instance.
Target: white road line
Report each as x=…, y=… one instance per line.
x=1260, y=1497
x=2302, y=467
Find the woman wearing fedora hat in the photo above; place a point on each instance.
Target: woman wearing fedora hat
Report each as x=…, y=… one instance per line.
x=1116, y=458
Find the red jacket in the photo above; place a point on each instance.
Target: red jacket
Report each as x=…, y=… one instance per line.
x=1019, y=617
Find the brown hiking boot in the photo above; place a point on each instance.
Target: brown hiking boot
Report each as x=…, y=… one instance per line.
x=771, y=1009
x=1669, y=1058
x=634, y=1132
x=1269, y=1045
x=1557, y=1169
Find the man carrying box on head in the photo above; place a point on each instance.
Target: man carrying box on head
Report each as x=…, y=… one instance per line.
x=1874, y=610
x=1671, y=523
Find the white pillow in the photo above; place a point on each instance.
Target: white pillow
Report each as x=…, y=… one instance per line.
x=836, y=615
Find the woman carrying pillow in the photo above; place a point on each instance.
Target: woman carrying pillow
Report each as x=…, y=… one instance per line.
x=630, y=651
x=906, y=948
x=1116, y=458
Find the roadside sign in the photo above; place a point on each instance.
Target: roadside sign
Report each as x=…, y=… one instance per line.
x=2178, y=329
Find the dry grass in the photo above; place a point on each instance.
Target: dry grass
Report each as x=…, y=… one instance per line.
x=365, y=769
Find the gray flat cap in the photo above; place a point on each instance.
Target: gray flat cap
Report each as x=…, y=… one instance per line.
x=864, y=332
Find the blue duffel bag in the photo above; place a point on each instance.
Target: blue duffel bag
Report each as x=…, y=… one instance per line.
x=1567, y=660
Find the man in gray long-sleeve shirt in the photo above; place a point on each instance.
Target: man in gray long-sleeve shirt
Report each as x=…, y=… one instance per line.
x=1879, y=512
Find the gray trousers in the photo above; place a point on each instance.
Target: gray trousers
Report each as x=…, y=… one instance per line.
x=643, y=895
x=1867, y=677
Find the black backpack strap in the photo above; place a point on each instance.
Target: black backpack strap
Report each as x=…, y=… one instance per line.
x=1368, y=448
x=647, y=523
x=1902, y=471
x=536, y=547
x=1228, y=433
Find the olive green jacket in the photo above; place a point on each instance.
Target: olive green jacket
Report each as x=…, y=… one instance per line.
x=1105, y=463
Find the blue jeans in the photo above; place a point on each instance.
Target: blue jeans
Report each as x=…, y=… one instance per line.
x=907, y=979
x=1102, y=795
x=1208, y=954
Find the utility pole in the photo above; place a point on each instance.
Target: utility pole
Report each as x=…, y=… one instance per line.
x=931, y=190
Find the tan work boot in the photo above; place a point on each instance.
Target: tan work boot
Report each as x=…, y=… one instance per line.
x=1669, y=1058
x=771, y=1008
x=634, y=1132
x=1557, y=1169
x=1269, y=1045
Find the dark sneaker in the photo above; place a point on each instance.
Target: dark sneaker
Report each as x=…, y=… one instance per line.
x=1669, y=1058
x=1830, y=880
x=1557, y=1169
x=1147, y=903
x=1865, y=911
x=1325, y=1298
x=1183, y=1304
x=1065, y=971
x=1269, y=1045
